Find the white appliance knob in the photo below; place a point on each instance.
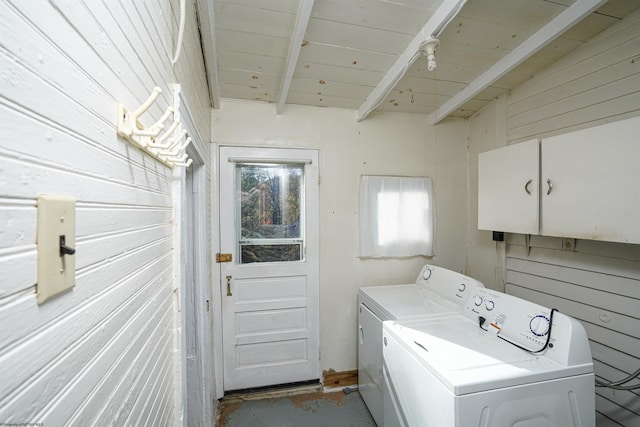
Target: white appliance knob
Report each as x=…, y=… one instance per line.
x=477, y=300
x=490, y=305
x=427, y=273
x=539, y=325
x=462, y=287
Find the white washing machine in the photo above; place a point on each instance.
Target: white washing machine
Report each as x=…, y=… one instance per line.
x=502, y=361
x=435, y=292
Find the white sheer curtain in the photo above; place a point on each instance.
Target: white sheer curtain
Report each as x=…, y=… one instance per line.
x=396, y=216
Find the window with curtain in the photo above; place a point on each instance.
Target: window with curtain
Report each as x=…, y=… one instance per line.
x=396, y=216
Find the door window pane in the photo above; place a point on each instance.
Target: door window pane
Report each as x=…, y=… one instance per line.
x=270, y=206
x=270, y=253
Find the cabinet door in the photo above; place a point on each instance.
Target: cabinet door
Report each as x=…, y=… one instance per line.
x=590, y=183
x=508, y=188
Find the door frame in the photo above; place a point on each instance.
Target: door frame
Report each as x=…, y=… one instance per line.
x=191, y=231
x=218, y=365
x=187, y=205
x=218, y=348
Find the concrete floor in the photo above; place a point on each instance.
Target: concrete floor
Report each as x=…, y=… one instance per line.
x=314, y=409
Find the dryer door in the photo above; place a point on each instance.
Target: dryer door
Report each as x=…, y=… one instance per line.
x=370, y=380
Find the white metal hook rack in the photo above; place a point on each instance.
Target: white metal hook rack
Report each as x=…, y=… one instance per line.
x=169, y=147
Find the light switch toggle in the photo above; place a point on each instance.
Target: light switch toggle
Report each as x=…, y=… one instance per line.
x=64, y=249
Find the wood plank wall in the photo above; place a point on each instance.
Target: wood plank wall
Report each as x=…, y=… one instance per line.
x=103, y=353
x=599, y=283
x=597, y=83
x=603, y=292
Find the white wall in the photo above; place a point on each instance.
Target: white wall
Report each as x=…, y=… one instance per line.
x=599, y=282
x=486, y=131
x=383, y=144
x=104, y=351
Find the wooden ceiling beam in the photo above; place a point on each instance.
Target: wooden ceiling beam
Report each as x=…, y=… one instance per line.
x=434, y=26
x=554, y=28
x=295, y=44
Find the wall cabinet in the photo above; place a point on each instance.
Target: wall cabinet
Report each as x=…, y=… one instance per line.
x=508, y=188
x=583, y=184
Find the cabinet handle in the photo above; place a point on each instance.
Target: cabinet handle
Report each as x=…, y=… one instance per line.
x=229, y=294
x=550, y=186
x=526, y=186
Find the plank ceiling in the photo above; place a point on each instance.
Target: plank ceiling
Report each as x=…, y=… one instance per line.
x=345, y=53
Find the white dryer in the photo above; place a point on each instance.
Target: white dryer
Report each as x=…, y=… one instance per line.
x=435, y=292
x=501, y=362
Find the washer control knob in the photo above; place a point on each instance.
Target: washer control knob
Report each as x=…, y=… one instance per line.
x=477, y=300
x=462, y=287
x=426, y=274
x=490, y=305
x=539, y=325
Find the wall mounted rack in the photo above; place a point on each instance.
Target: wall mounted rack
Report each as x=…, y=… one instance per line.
x=170, y=146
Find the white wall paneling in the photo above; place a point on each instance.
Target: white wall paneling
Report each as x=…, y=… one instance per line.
x=190, y=73
x=603, y=292
x=103, y=352
x=598, y=283
x=486, y=131
x=597, y=83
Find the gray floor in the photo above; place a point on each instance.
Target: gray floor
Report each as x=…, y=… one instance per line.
x=318, y=409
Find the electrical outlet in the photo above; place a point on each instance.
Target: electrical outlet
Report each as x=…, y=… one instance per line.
x=568, y=244
x=56, y=237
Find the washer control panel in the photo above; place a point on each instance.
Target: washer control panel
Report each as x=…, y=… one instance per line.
x=529, y=326
x=518, y=321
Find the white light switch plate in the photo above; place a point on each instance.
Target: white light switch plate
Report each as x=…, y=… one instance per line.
x=56, y=273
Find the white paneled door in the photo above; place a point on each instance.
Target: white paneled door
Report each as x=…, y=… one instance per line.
x=269, y=265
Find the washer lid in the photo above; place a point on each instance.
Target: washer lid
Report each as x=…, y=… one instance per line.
x=404, y=301
x=467, y=359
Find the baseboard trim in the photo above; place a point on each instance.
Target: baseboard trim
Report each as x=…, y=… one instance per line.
x=331, y=378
